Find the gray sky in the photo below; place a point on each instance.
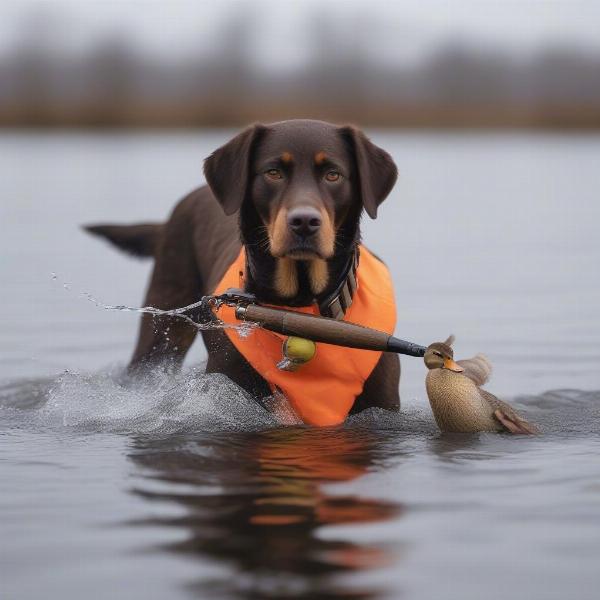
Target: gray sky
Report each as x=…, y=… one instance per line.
x=404, y=30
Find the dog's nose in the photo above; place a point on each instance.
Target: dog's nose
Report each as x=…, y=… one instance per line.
x=304, y=221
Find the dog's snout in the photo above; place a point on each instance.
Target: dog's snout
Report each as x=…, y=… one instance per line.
x=304, y=221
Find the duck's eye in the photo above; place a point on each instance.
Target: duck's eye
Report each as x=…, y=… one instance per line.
x=438, y=354
x=333, y=176
x=274, y=174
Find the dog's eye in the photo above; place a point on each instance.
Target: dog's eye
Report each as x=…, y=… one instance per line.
x=333, y=176
x=273, y=174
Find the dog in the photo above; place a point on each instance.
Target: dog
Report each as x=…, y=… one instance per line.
x=290, y=195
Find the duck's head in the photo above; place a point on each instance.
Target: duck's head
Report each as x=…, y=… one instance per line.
x=440, y=355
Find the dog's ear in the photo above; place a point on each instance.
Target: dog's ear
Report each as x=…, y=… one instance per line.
x=226, y=169
x=377, y=171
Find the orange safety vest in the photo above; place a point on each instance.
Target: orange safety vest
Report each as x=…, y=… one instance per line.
x=322, y=391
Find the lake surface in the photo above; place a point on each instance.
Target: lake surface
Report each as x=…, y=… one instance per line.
x=180, y=489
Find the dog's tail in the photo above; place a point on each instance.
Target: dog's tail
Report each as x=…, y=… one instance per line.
x=139, y=240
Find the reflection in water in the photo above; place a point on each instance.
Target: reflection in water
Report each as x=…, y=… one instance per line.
x=257, y=502
x=451, y=447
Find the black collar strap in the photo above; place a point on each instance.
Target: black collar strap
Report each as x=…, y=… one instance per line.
x=340, y=300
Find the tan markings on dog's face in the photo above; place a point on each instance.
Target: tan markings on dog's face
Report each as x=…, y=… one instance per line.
x=326, y=234
x=287, y=158
x=286, y=278
x=278, y=233
x=320, y=158
x=318, y=274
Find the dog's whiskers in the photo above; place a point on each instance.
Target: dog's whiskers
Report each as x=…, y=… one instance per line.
x=263, y=242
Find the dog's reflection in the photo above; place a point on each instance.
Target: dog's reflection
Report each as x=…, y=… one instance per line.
x=257, y=502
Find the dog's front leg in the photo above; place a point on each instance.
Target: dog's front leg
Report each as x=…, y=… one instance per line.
x=163, y=341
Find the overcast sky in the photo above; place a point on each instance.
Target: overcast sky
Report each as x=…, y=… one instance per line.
x=401, y=30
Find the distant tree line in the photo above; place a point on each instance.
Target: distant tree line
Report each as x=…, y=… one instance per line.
x=115, y=85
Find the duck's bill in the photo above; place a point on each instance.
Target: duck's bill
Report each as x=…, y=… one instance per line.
x=452, y=366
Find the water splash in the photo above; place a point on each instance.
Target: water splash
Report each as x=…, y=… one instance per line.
x=193, y=401
x=101, y=402
x=244, y=329
x=179, y=313
x=165, y=403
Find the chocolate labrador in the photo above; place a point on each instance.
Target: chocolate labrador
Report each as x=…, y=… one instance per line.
x=292, y=193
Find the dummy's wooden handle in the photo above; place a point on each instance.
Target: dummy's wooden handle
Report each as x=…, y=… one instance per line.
x=325, y=330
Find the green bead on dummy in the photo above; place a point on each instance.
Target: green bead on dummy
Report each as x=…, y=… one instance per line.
x=297, y=351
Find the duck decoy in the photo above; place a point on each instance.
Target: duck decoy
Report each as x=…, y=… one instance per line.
x=457, y=400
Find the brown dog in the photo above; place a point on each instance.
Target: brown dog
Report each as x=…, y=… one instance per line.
x=292, y=193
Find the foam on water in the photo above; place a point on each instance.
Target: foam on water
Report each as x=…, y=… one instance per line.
x=164, y=404
x=168, y=404
x=195, y=401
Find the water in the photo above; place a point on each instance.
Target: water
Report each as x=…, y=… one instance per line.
x=182, y=489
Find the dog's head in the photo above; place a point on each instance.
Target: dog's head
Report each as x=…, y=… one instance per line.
x=301, y=186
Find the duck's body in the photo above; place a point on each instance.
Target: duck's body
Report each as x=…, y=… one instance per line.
x=457, y=403
x=457, y=400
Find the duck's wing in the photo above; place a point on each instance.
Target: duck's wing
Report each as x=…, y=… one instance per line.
x=508, y=417
x=478, y=369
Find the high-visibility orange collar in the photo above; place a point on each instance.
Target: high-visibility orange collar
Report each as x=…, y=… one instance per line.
x=323, y=390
